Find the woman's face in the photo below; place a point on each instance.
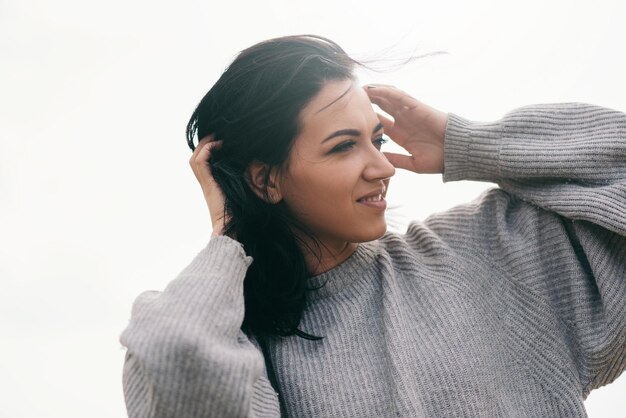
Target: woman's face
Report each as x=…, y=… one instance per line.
x=335, y=162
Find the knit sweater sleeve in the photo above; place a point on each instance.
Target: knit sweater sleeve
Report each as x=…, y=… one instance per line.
x=186, y=355
x=557, y=222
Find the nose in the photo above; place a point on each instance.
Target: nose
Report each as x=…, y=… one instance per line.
x=378, y=166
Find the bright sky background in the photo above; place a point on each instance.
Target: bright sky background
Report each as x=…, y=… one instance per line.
x=97, y=201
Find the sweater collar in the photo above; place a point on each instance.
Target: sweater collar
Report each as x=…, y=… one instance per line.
x=349, y=272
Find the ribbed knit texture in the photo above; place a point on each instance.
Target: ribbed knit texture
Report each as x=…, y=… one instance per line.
x=513, y=305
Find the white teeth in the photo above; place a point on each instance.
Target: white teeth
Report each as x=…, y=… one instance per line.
x=373, y=198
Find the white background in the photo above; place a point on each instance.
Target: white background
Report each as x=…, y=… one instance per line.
x=97, y=201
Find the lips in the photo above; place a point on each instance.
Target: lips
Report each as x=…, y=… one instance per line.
x=374, y=196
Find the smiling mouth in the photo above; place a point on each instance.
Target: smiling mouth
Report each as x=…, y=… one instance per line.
x=371, y=199
x=376, y=202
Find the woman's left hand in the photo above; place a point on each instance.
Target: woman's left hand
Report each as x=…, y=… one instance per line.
x=418, y=128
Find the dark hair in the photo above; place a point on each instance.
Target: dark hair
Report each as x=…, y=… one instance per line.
x=254, y=109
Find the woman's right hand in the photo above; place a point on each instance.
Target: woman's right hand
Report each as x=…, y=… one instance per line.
x=213, y=195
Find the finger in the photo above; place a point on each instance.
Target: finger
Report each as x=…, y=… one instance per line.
x=389, y=107
x=400, y=160
x=199, y=147
x=387, y=123
x=199, y=160
x=205, y=140
x=375, y=85
x=205, y=152
x=392, y=94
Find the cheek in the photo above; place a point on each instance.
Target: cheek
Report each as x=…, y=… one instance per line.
x=322, y=189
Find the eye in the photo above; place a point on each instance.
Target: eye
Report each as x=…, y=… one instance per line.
x=344, y=146
x=380, y=141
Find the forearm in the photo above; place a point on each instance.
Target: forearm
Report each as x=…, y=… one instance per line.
x=568, y=158
x=569, y=140
x=186, y=355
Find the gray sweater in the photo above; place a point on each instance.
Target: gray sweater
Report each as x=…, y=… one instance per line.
x=513, y=305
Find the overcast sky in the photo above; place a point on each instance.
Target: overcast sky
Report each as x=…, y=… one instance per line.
x=97, y=201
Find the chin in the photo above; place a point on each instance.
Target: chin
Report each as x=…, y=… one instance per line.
x=372, y=232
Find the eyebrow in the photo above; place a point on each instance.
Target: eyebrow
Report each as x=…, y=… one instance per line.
x=350, y=132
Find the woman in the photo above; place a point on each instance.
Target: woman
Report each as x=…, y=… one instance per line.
x=303, y=305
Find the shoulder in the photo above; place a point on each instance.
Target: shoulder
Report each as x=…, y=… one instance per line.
x=481, y=227
x=457, y=221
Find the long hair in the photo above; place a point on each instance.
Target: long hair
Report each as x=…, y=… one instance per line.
x=254, y=109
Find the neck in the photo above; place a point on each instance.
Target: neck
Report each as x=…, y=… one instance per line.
x=330, y=255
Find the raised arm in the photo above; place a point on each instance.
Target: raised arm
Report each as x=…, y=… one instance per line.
x=556, y=228
x=568, y=158
x=186, y=354
x=555, y=231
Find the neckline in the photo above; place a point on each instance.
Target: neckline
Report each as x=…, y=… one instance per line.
x=344, y=274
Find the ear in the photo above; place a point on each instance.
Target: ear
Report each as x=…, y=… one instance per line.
x=256, y=173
